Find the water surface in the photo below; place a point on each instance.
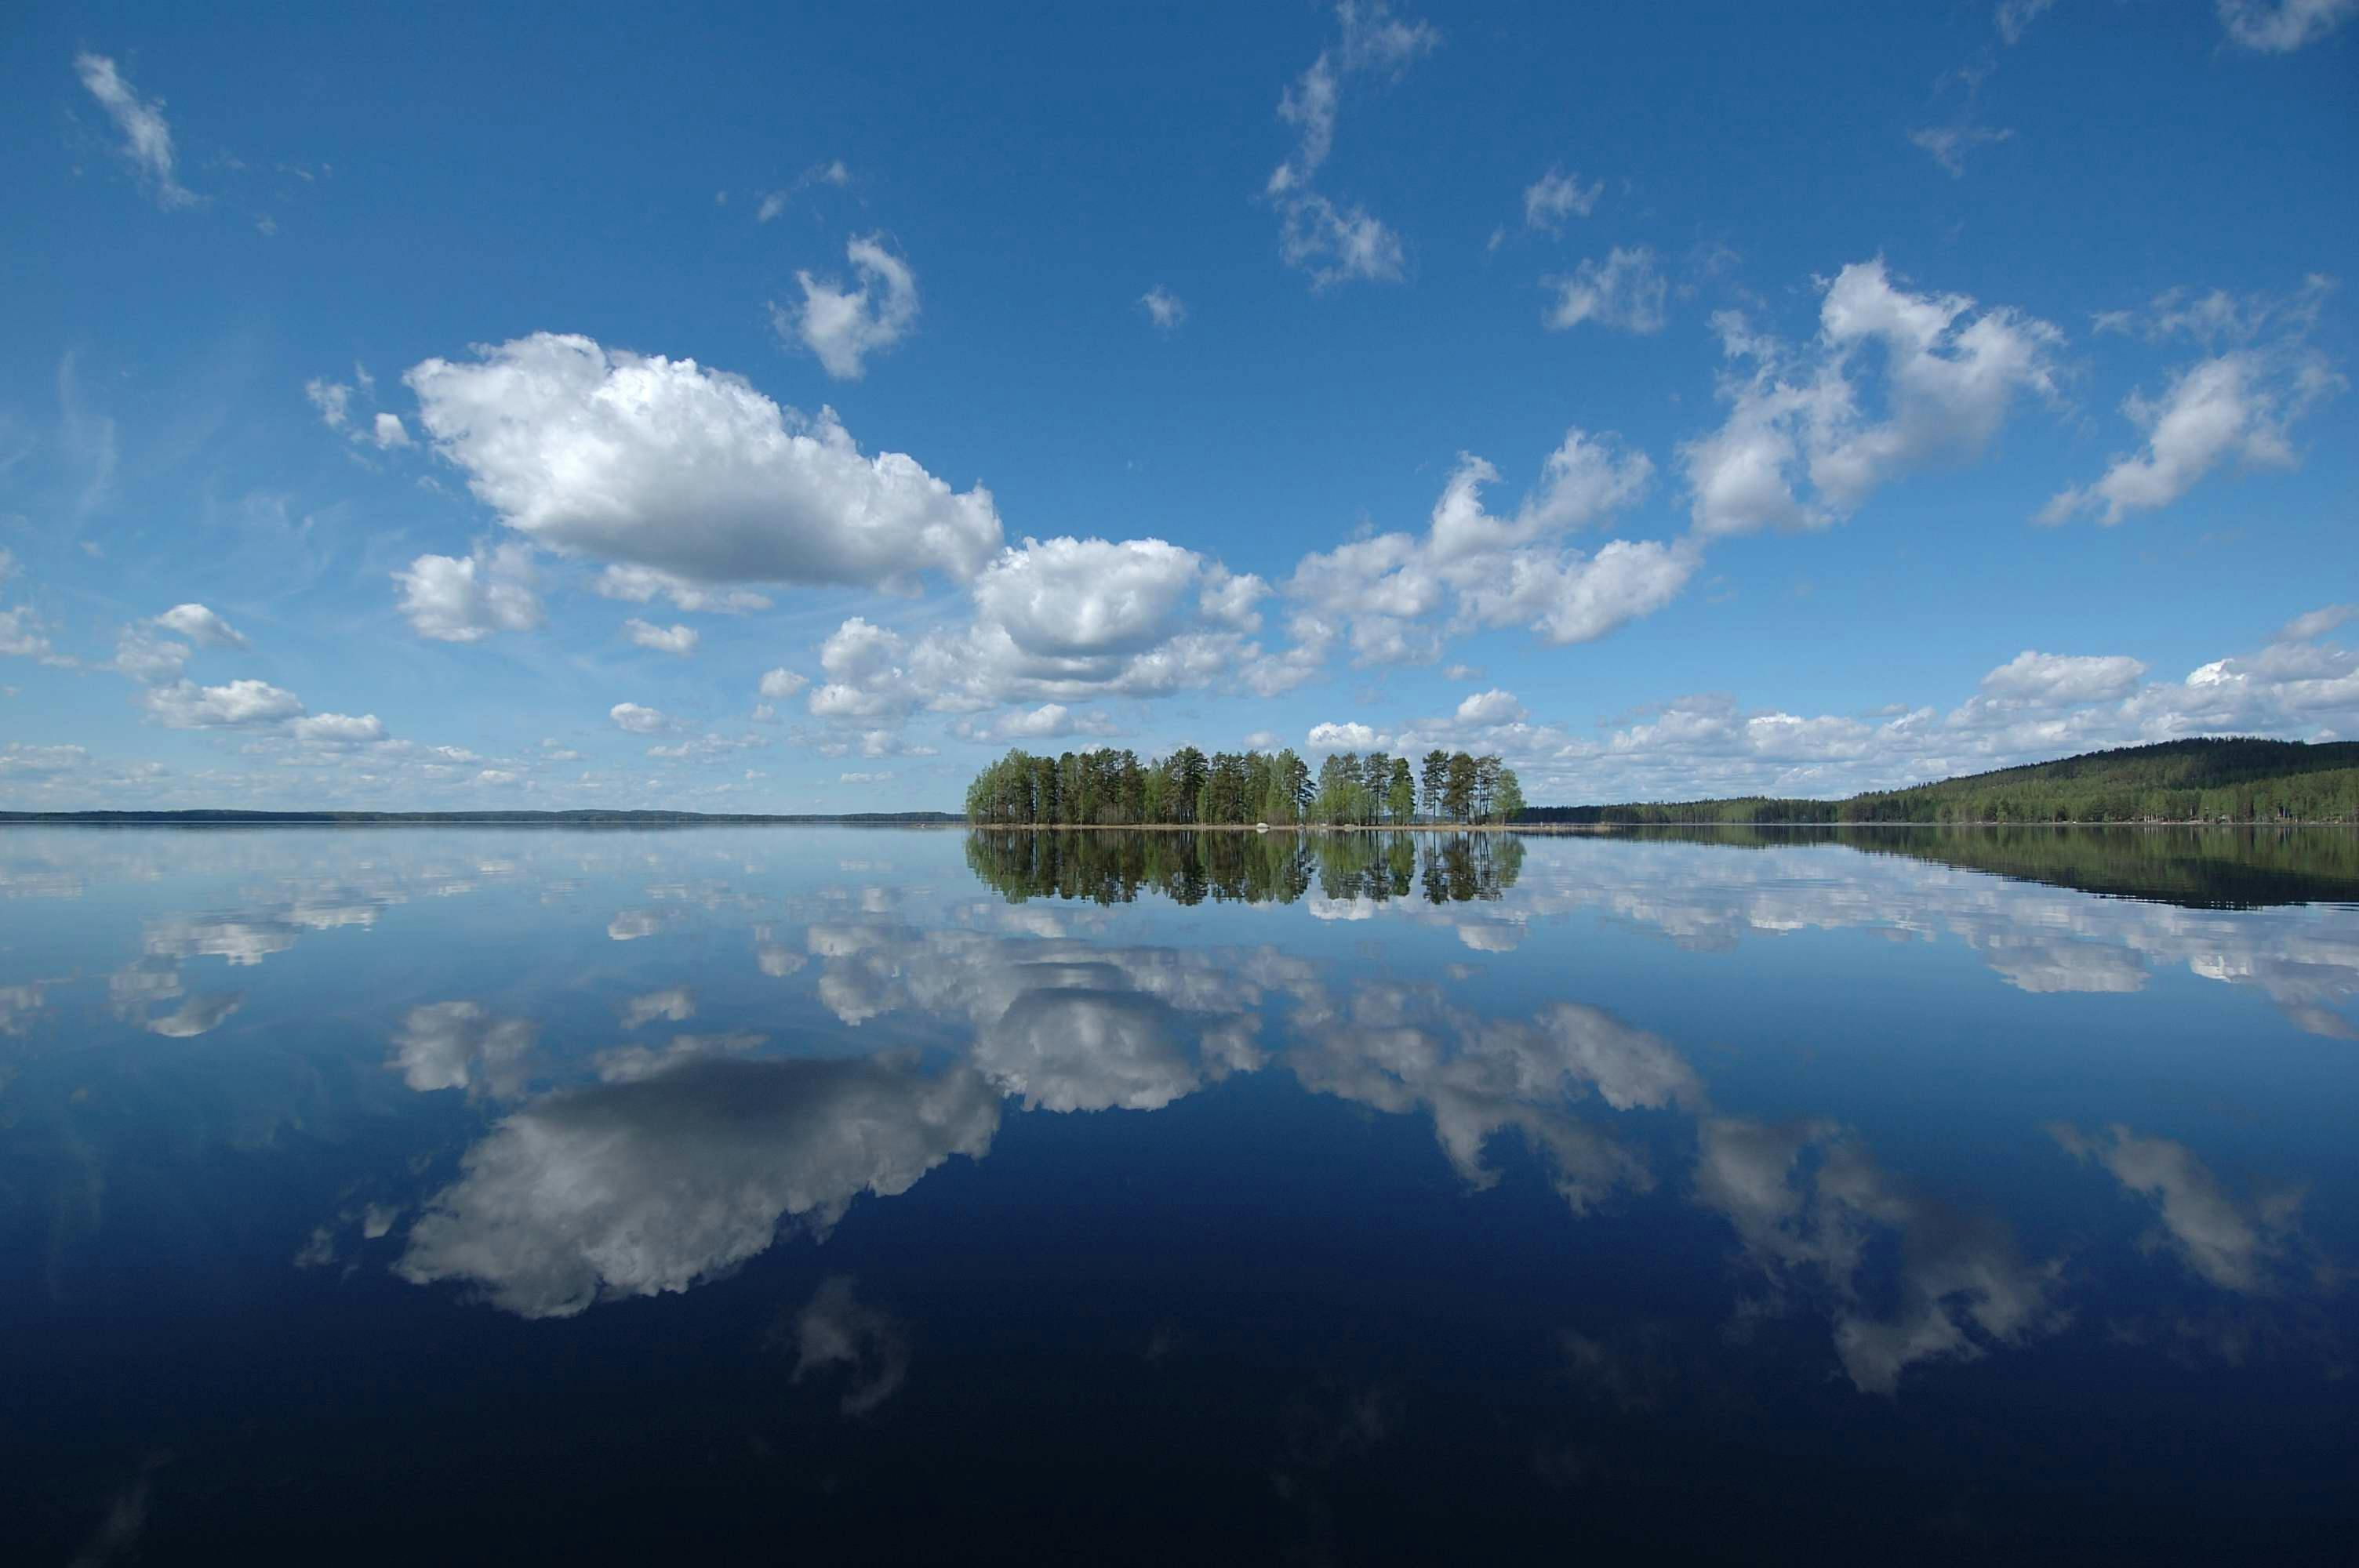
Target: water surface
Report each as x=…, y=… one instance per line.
x=849, y=1195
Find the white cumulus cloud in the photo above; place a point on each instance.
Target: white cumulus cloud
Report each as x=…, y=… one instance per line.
x=679, y=639
x=465, y=600
x=201, y=626
x=639, y=720
x=844, y=326
x=1798, y=449
x=663, y=463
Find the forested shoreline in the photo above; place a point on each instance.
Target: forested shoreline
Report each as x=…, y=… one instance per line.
x=1243, y=789
x=2232, y=780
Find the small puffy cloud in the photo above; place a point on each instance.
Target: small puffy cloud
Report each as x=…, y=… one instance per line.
x=1045, y=723
x=147, y=136
x=15, y=757
x=1947, y=145
x=201, y=626
x=782, y=683
x=2235, y=1242
x=639, y=720
x=642, y=585
x=1493, y=706
x=1502, y=569
x=772, y=205
x=388, y=432
x=1338, y=244
x=338, y=729
x=664, y=464
x=866, y=675
x=1625, y=292
x=2281, y=27
x=679, y=639
x=1164, y=309
x=1348, y=736
x=463, y=1046
x=184, y=705
x=1334, y=243
x=1798, y=421
x=677, y=1004
x=839, y=1330
x=24, y=635
x=865, y=778
x=2014, y=16
x=465, y=600
x=2317, y=622
x=1556, y=196
x=1066, y=621
x=333, y=399
x=2057, y=679
x=2237, y=407
x=842, y=326
x=143, y=655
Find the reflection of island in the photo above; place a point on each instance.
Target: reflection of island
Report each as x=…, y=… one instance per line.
x=2200, y=867
x=1276, y=867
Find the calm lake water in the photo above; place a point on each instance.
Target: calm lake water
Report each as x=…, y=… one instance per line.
x=848, y=1195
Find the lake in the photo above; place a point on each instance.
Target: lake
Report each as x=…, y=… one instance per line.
x=871, y=1195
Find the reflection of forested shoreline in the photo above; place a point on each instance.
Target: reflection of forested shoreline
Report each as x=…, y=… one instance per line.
x=1248, y=868
x=2201, y=868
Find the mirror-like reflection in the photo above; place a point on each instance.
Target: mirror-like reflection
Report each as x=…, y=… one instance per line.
x=1525, y=1165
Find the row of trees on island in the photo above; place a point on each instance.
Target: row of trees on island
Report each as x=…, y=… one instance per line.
x=1189, y=788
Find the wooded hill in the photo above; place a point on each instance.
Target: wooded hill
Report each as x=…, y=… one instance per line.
x=2234, y=780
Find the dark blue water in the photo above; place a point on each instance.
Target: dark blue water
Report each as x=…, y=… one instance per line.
x=822, y=1195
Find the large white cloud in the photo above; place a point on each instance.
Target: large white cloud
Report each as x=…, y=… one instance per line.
x=665, y=464
x=1798, y=449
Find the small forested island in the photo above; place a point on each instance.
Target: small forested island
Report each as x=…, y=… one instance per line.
x=1241, y=789
x=2217, y=780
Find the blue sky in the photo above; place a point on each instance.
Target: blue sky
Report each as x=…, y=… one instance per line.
x=446, y=410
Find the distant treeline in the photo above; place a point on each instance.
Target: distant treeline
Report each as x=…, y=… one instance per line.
x=524, y=819
x=1245, y=867
x=2177, y=781
x=1187, y=788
